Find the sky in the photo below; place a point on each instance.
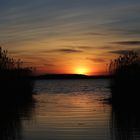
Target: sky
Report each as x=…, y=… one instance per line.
x=69, y=36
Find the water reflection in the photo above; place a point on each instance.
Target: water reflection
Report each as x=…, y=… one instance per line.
x=70, y=110
x=70, y=116
x=12, y=112
x=75, y=114
x=125, y=121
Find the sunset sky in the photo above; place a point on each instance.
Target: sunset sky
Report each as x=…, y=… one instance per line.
x=69, y=36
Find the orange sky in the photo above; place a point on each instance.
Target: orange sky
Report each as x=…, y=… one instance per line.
x=77, y=36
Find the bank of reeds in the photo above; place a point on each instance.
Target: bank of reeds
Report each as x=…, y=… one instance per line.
x=125, y=77
x=14, y=78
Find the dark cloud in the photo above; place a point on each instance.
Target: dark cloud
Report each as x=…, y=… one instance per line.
x=127, y=43
x=67, y=50
x=100, y=60
x=85, y=47
x=120, y=52
x=63, y=50
x=49, y=64
x=95, y=47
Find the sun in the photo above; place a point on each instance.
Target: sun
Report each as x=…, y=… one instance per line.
x=82, y=70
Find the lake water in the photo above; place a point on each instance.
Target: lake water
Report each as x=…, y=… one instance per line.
x=68, y=110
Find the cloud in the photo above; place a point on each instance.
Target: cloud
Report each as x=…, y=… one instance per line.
x=85, y=47
x=121, y=52
x=67, y=51
x=126, y=32
x=49, y=64
x=94, y=34
x=96, y=60
x=105, y=47
x=127, y=43
x=94, y=47
x=61, y=50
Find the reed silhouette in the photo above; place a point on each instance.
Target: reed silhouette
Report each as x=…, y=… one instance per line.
x=124, y=85
x=12, y=113
x=16, y=101
x=14, y=77
x=125, y=120
x=125, y=78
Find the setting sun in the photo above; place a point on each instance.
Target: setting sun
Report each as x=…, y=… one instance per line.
x=82, y=70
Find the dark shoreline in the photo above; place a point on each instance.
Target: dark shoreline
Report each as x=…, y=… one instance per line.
x=68, y=76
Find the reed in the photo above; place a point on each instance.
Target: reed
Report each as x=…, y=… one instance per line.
x=14, y=78
x=125, y=77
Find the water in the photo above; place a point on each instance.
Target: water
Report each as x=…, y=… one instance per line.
x=68, y=110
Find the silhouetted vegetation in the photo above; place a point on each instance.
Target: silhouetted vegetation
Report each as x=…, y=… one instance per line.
x=12, y=113
x=16, y=101
x=125, y=122
x=125, y=81
x=14, y=78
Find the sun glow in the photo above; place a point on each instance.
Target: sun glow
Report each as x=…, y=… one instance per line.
x=82, y=70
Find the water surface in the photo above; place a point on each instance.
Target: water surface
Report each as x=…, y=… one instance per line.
x=68, y=110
